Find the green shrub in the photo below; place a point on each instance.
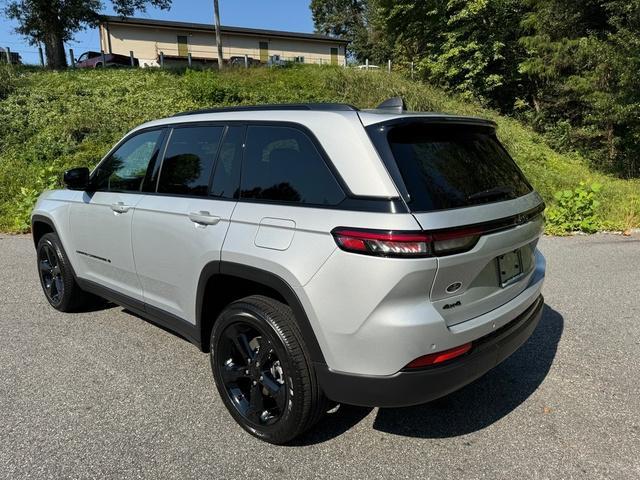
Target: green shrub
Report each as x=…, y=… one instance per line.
x=575, y=210
x=47, y=178
x=7, y=80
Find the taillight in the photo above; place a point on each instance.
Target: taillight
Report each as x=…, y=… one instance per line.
x=440, y=357
x=383, y=243
x=455, y=241
x=389, y=243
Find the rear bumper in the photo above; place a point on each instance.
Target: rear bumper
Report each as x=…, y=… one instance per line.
x=407, y=388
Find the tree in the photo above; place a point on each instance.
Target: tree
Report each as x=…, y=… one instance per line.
x=582, y=57
x=468, y=46
x=349, y=19
x=568, y=67
x=54, y=22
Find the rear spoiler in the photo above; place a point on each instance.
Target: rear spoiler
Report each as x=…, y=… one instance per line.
x=377, y=117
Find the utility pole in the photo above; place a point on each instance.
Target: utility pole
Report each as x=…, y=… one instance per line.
x=216, y=14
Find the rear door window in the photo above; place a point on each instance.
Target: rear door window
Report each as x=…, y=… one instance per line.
x=282, y=164
x=452, y=166
x=188, y=161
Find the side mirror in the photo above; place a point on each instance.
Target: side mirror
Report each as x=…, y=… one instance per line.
x=77, y=178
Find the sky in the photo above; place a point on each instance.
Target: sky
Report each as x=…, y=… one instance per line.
x=292, y=15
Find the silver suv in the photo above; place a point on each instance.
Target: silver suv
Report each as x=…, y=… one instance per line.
x=320, y=253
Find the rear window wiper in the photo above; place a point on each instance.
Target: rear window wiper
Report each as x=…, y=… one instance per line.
x=496, y=192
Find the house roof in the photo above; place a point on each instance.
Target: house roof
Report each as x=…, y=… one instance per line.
x=223, y=28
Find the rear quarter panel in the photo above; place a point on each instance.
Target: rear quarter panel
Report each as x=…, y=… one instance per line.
x=299, y=245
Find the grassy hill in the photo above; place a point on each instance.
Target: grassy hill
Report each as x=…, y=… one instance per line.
x=52, y=121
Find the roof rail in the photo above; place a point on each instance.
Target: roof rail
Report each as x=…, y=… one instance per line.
x=282, y=106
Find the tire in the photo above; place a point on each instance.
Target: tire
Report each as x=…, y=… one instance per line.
x=56, y=277
x=262, y=370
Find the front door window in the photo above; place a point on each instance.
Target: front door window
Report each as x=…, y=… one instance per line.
x=125, y=169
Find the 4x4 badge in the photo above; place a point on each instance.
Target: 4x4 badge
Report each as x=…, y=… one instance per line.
x=452, y=305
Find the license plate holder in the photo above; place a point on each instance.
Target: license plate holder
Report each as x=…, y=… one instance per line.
x=509, y=267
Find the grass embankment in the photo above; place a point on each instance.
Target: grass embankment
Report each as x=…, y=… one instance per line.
x=52, y=121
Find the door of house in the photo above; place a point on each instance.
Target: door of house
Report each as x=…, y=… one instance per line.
x=334, y=56
x=264, y=52
x=183, y=45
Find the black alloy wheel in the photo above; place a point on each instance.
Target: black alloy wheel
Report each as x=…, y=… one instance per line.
x=57, y=278
x=252, y=373
x=262, y=369
x=50, y=273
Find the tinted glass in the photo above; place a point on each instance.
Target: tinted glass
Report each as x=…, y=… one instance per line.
x=125, y=169
x=282, y=164
x=188, y=161
x=454, y=166
x=226, y=179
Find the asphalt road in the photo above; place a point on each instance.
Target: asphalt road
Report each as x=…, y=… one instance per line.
x=108, y=395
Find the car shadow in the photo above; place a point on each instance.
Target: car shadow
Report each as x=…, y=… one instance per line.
x=96, y=305
x=332, y=425
x=472, y=408
x=158, y=325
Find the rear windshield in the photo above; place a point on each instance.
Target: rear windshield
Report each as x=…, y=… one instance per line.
x=452, y=166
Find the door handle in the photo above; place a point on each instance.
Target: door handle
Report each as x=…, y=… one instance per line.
x=120, y=207
x=203, y=218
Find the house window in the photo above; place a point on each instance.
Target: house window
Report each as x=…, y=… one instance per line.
x=183, y=45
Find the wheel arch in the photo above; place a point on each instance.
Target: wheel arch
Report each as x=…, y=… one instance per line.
x=41, y=225
x=221, y=277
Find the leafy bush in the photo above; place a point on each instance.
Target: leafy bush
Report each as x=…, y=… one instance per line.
x=7, y=80
x=47, y=178
x=575, y=210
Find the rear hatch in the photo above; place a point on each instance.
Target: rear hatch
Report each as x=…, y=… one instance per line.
x=463, y=187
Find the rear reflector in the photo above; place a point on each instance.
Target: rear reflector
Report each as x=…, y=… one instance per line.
x=389, y=243
x=439, y=357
